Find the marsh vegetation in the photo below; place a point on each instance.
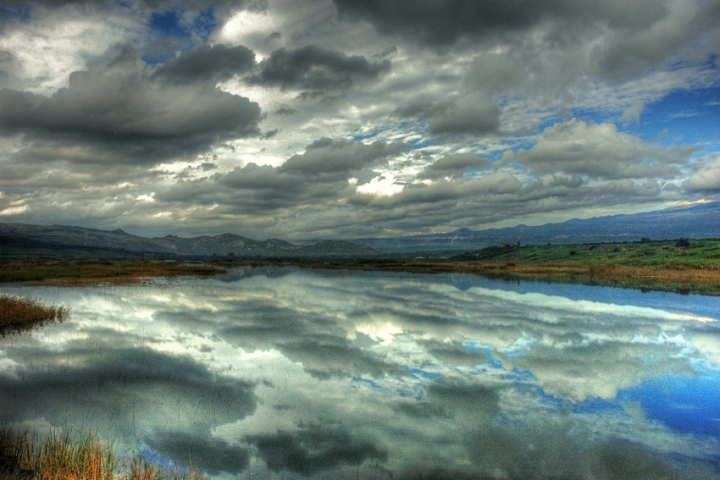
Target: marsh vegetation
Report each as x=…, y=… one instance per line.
x=18, y=314
x=61, y=457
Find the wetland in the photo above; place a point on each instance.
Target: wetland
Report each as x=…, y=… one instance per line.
x=284, y=372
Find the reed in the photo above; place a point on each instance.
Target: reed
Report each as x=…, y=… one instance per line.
x=18, y=314
x=60, y=457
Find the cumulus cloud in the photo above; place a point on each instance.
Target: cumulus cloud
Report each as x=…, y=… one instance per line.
x=453, y=165
x=319, y=176
x=327, y=156
x=598, y=151
x=707, y=178
x=632, y=113
x=317, y=70
x=116, y=109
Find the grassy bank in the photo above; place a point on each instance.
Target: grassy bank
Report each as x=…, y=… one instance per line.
x=59, y=457
x=84, y=272
x=677, y=266
x=685, y=266
x=19, y=314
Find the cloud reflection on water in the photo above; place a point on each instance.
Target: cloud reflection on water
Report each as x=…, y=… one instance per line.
x=307, y=373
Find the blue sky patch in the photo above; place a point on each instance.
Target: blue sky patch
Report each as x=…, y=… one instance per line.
x=169, y=24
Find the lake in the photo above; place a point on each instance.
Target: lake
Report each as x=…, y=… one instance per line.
x=286, y=373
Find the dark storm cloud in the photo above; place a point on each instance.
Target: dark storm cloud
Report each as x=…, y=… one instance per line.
x=313, y=449
x=465, y=399
x=632, y=52
x=114, y=112
x=471, y=117
x=127, y=382
x=453, y=165
x=261, y=177
x=207, y=62
x=444, y=22
x=316, y=70
x=201, y=452
x=423, y=110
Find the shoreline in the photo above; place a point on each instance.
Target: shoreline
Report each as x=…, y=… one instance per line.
x=679, y=266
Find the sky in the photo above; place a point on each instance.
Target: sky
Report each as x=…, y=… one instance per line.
x=343, y=119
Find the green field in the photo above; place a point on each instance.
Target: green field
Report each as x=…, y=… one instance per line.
x=664, y=254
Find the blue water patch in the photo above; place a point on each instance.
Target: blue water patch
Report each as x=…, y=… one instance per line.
x=701, y=305
x=520, y=377
x=366, y=382
x=685, y=404
x=154, y=458
x=596, y=405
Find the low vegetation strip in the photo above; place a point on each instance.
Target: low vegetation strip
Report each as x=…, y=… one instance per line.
x=60, y=457
x=18, y=314
x=81, y=272
x=683, y=266
x=665, y=254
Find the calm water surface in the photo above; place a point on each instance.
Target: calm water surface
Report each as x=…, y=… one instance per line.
x=284, y=373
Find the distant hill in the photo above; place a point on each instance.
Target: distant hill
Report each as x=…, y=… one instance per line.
x=695, y=221
x=18, y=239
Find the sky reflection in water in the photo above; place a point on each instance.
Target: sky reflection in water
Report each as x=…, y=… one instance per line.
x=296, y=373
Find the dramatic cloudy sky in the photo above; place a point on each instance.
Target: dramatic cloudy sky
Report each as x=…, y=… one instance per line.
x=306, y=119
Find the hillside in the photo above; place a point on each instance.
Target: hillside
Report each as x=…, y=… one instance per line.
x=66, y=241
x=695, y=221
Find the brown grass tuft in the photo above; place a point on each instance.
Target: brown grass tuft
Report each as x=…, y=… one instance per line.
x=19, y=314
x=59, y=457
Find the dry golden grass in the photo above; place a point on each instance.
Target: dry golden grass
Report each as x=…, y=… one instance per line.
x=19, y=314
x=59, y=457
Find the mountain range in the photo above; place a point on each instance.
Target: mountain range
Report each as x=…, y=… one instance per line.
x=18, y=239
x=701, y=220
